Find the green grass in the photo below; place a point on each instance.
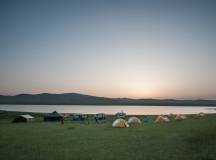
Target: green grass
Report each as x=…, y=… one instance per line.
x=190, y=139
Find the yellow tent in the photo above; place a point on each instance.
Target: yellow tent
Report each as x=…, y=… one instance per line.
x=180, y=117
x=134, y=120
x=161, y=119
x=120, y=123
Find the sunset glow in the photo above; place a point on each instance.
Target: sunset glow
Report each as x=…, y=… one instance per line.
x=109, y=48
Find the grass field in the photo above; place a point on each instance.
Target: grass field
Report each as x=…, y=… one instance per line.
x=190, y=139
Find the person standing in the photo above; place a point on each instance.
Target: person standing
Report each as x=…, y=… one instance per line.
x=62, y=120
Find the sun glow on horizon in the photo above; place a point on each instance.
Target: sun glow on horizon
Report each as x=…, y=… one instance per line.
x=138, y=49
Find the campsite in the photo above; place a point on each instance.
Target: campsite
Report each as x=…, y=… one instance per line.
x=108, y=80
x=193, y=138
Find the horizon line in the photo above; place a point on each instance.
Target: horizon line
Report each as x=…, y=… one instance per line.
x=193, y=99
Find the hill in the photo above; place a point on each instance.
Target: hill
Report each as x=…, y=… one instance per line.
x=81, y=99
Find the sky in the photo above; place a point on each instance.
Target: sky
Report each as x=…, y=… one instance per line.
x=112, y=48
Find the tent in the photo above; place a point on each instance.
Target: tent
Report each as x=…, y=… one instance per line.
x=54, y=116
x=23, y=118
x=134, y=120
x=180, y=117
x=100, y=116
x=161, y=119
x=120, y=123
x=79, y=117
x=121, y=114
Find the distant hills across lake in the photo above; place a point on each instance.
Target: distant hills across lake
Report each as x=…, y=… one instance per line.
x=81, y=99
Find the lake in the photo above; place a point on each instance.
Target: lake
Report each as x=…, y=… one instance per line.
x=92, y=109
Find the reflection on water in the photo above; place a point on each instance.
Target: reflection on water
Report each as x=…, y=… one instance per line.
x=91, y=109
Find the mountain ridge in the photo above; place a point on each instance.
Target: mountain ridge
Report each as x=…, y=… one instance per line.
x=84, y=99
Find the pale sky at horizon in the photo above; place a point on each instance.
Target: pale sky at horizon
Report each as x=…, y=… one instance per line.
x=113, y=48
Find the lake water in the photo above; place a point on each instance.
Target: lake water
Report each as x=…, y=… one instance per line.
x=92, y=109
